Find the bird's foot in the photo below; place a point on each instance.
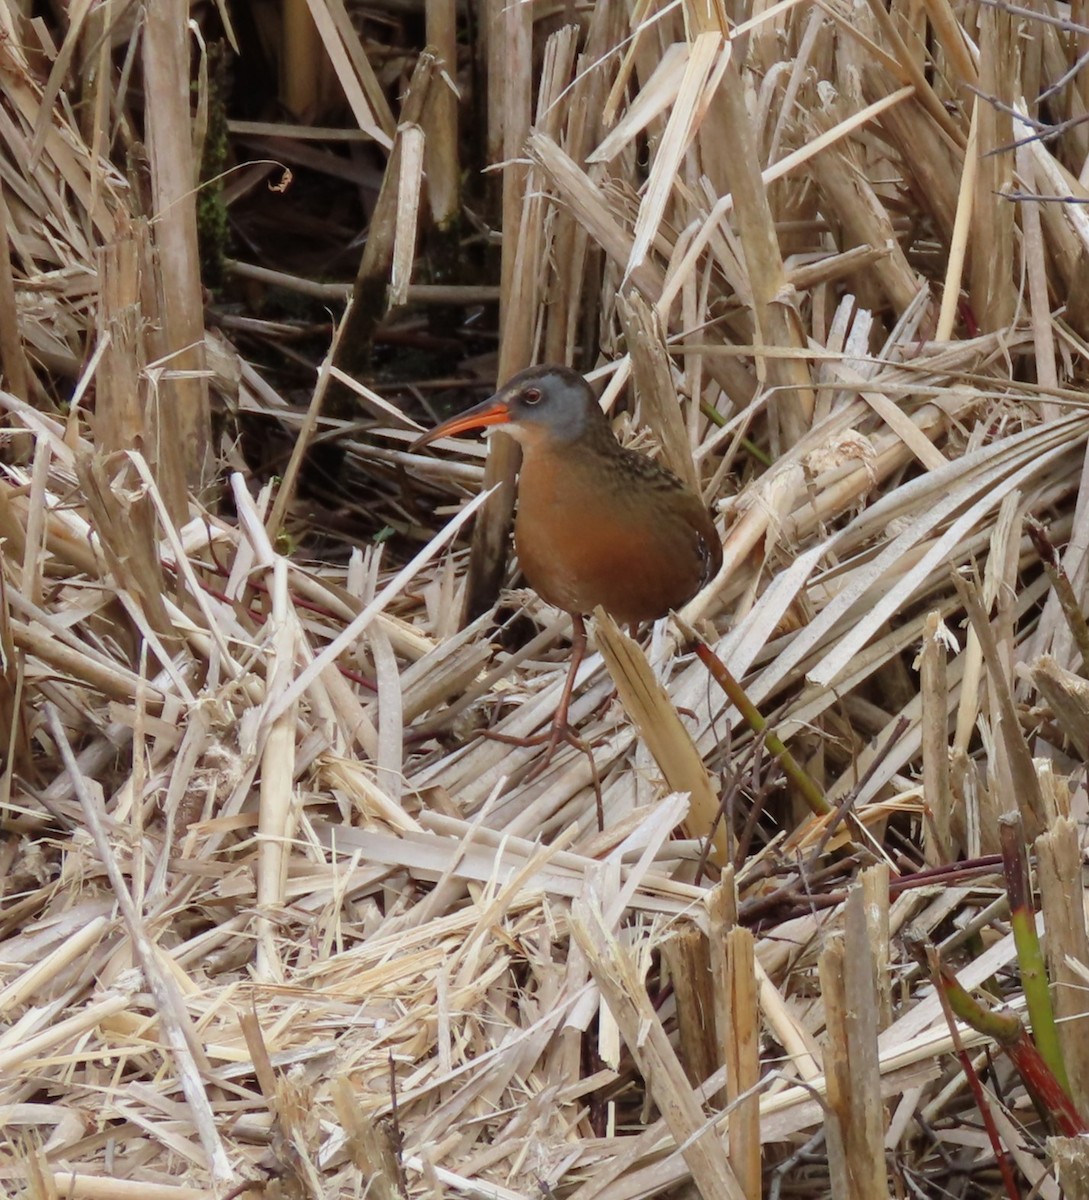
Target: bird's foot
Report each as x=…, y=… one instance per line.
x=558, y=733
x=553, y=738
x=557, y=736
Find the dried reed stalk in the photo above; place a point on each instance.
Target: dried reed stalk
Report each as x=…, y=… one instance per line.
x=182, y=417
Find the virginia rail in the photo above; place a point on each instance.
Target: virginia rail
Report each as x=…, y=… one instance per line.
x=597, y=523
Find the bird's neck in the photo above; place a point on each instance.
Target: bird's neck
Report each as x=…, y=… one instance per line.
x=594, y=441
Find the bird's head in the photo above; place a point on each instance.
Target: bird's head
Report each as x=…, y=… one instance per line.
x=548, y=404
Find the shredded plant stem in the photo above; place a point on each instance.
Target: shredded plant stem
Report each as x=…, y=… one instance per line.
x=276, y=915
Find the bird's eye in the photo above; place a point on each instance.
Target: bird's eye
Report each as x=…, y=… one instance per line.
x=531, y=395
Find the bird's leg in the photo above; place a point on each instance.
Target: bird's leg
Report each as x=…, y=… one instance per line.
x=561, y=731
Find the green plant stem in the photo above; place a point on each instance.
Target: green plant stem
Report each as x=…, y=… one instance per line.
x=1006, y=1029
x=805, y=783
x=1030, y=957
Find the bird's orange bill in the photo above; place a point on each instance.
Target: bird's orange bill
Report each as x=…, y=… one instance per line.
x=489, y=412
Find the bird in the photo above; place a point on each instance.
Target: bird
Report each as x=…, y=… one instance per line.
x=597, y=522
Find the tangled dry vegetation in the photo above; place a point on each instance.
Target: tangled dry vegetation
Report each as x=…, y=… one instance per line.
x=275, y=921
